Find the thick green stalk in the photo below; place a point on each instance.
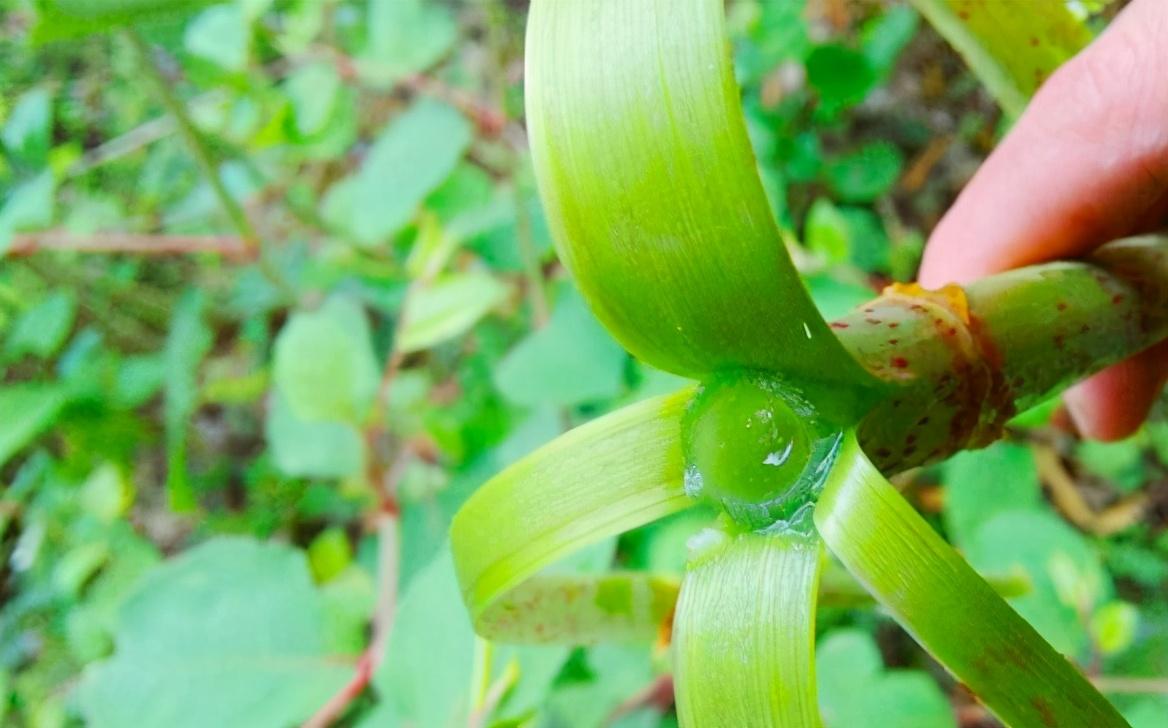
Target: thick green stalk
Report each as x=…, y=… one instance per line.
x=744, y=634
x=931, y=591
x=964, y=362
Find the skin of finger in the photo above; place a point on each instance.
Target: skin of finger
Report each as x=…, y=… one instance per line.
x=1085, y=163
x=1112, y=404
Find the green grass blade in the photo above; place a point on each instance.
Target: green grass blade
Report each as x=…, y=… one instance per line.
x=1012, y=46
x=652, y=192
x=744, y=634
x=613, y=474
x=946, y=606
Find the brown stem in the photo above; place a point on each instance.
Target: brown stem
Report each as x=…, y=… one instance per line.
x=231, y=246
x=370, y=660
x=1064, y=493
x=384, y=473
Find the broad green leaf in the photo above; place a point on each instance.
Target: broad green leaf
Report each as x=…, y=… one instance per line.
x=25, y=411
x=886, y=36
x=405, y=36
x=318, y=449
x=43, y=328
x=329, y=554
x=744, y=634
x=865, y=174
x=615, y=674
x=841, y=76
x=1120, y=463
x=652, y=194
x=448, y=307
x=983, y=483
x=856, y=692
x=1148, y=712
x=844, y=659
x=942, y=602
x=28, y=206
x=1113, y=627
x=62, y=19
x=608, y=476
x=187, y=342
x=833, y=297
x=410, y=158
x=27, y=132
x=1012, y=46
x=424, y=677
x=826, y=232
x=570, y=360
x=324, y=365
x=1066, y=573
x=221, y=35
x=313, y=90
x=231, y=633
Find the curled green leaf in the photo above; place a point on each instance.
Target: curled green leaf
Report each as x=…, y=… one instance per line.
x=652, y=194
x=616, y=473
x=942, y=602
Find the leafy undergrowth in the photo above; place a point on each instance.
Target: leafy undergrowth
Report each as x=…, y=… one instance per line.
x=189, y=443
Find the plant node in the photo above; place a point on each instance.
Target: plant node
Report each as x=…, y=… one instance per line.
x=757, y=448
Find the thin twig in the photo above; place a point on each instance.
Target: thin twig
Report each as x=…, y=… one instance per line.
x=533, y=273
x=383, y=474
x=658, y=695
x=493, y=696
x=370, y=660
x=1131, y=685
x=137, y=138
x=204, y=158
x=194, y=140
x=1064, y=493
x=135, y=243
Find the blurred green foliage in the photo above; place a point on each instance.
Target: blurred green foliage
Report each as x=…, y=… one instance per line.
x=188, y=519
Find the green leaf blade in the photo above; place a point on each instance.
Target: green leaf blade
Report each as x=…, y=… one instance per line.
x=950, y=610
x=652, y=193
x=27, y=409
x=744, y=634
x=1012, y=46
x=606, y=477
x=232, y=633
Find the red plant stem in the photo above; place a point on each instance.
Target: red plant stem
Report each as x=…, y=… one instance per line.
x=383, y=474
x=370, y=660
x=231, y=246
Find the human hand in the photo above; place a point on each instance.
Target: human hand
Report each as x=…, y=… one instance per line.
x=1086, y=163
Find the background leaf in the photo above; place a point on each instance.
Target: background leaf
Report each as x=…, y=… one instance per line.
x=234, y=619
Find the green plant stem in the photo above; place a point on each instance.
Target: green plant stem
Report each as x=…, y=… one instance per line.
x=962, y=363
x=204, y=158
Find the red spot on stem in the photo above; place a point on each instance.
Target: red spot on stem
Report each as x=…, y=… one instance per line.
x=899, y=362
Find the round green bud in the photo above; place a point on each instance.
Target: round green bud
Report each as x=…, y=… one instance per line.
x=751, y=445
